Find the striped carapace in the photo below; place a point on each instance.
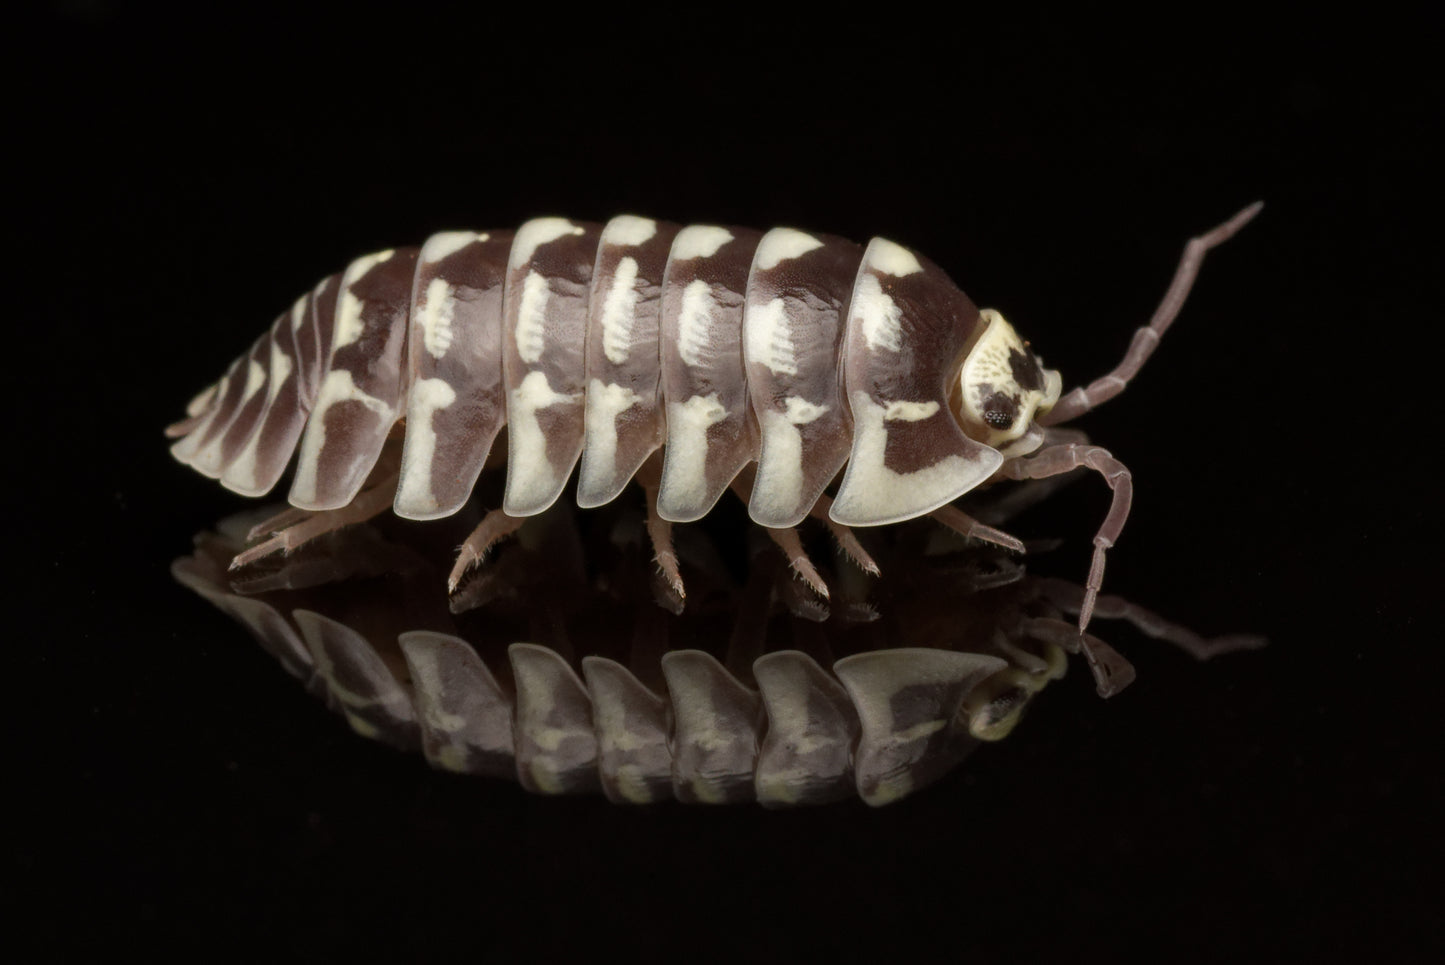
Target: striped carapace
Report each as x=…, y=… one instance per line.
x=675, y=356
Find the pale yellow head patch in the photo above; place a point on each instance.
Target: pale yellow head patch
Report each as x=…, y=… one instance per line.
x=1003, y=386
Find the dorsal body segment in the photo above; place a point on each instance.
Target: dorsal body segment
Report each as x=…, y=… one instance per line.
x=711, y=347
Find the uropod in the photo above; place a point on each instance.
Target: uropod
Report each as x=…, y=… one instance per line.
x=812, y=376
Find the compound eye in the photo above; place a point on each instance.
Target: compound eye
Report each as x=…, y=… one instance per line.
x=1000, y=410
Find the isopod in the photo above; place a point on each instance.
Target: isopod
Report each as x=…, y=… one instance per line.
x=690, y=359
x=745, y=696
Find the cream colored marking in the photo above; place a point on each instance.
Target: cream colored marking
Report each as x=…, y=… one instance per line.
x=609, y=718
x=414, y=496
x=631, y=782
x=881, y=318
x=203, y=398
x=438, y=309
x=694, y=325
x=299, y=313
x=599, y=457
x=349, y=326
x=629, y=231
x=530, y=476
x=619, y=311
x=987, y=370
x=769, y=337
x=240, y=476
x=208, y=459
x=338, y=387
x=429, y=686
x=444, y=244
x=909, y=411
x=362, y=727
x=255, y=378
x=532, y=318
x=783, y=244
x=536, y=233
x=871, y=493
x=918, y=731
x=779, y=486
x=451, y=757
x=682, y=496
x=891, y=788
x=892, y=259
x=699, y=241
x=184, y=448
x=988, y=361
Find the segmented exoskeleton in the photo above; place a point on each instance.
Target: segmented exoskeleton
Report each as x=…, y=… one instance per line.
x=675, y=356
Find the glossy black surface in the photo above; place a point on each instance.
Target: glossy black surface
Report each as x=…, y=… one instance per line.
x=180, y=793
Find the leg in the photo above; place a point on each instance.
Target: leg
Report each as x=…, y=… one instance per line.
x=847, y=542
x=1055, y=461
x=789, y=542
x=1068, y=597
x=787, y=539
x=1146, y=339
x=295, y=527
x=969, y=528
x=494, y=527
x=659, y=531
x=997, y=505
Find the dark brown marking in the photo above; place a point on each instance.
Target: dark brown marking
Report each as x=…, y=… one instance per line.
x=1026, y=370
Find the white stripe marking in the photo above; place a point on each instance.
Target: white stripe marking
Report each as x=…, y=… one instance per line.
x=532, y=318
x=338, y=387
x=783, y=244
x=694, y=325
x=779, y=486
x=349, y=326
x=699, y=241
x=240, y=476
x=599, y=459
x=892, y=259
x=414, y=497
x=531, y=480
x=881, y=319
x=909, y=411
x=444, y=244
x=619, y=312
x=682, y=495
x=438, y=308
x=536, y=233
x=629, y=231
x=768, y=330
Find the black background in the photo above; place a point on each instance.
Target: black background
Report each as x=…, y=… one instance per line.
x=185, y=179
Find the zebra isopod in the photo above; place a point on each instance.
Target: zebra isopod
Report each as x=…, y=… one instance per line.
x=693, y=360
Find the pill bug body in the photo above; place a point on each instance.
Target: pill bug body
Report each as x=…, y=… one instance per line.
x=678, y=356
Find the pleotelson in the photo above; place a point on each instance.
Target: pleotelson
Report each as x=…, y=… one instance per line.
x=718, y=346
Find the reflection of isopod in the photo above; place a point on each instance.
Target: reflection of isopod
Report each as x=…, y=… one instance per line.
x=678, y=356
x=763, y=701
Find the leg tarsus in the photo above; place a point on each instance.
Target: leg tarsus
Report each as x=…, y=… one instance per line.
x=494, y=527
x=1064, y=458
x=792, y=546
x=299, y=527
x=970, y=528
x=847, y=542
x=659, y=531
